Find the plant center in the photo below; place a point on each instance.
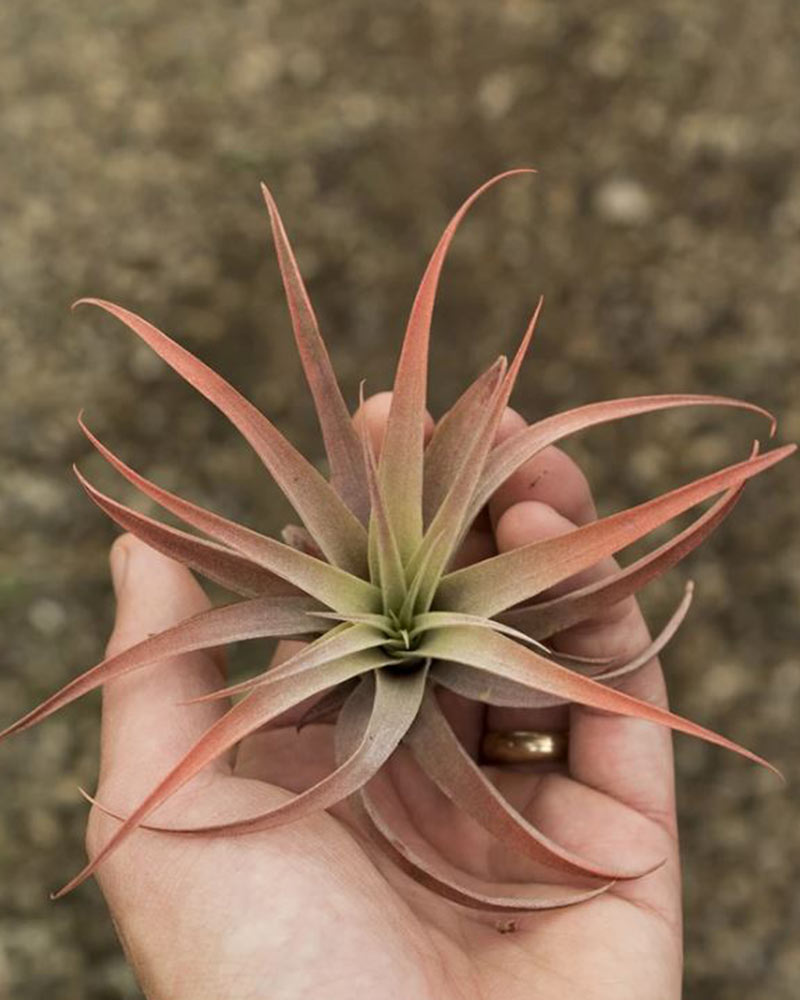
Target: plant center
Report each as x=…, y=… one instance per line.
x=401, y=644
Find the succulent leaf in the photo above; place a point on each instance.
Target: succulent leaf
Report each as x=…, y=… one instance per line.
x=258, y=618
x=508, y=456
x=329, y=584
x=548, y=617
x=451, y=522
x=337, y=531
x=494, y=653
x=341, y=440
x=397, y=838
x=345, y=640
x=388, y=710
x=440, y=754
x=216, y=562
x=451, y=436
x=391, y=577
x=496, y=584
x=402, y=455
x=479, y=685
x=380, y=820
x=255, y=711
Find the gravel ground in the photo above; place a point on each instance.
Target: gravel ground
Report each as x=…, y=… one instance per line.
x=663, y=230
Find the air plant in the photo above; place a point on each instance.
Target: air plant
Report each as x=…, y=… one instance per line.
x=368, y=582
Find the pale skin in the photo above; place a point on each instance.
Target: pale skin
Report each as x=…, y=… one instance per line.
x=310, y=909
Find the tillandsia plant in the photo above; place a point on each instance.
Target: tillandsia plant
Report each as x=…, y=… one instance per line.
x=368, y=582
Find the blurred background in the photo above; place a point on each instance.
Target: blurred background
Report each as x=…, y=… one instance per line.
x=663, y=229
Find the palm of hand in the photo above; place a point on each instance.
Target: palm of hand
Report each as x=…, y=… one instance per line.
x=310, y=909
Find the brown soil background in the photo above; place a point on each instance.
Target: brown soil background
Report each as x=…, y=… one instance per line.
x=664, y=230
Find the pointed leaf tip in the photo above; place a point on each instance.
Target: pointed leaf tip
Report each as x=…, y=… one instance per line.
x=332, y=586
x=402, y=457
x=339, y=533
x=341, y=440
x=496, y=654
x=497, y=583
x=512, y=453
x=244, y=718
x=441, y=755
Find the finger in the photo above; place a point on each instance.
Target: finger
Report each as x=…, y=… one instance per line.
x=626, y=758
x=375, y=412
x=521, y=524
x=550, y=477
x=526, y=508
x=145, y=728
x=531, y=521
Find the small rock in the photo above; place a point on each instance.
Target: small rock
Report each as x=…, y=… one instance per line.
x=47, y=616
x=496, y=95
x=624, y=202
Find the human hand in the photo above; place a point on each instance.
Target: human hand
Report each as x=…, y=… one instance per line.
x=308, y=909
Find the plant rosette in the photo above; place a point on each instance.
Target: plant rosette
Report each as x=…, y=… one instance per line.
x=368, y=583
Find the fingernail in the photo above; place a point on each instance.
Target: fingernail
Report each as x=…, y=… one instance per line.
x=119, y=567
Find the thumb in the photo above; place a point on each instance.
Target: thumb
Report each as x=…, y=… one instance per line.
x=145, y=727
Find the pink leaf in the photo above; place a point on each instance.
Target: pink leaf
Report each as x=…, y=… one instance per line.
x=244, y=718
x=478, y=685
x=452, y=436
x=496, y=654
x=341, y=441
x=402, y=455
x=230, y=569
x=329, y=584
x=495, y=584
x=396, y=837
x=389, y=829
x=508, y=456
x=548, y=617
x=383, y=724
x=450, y=523
x=338, y=532
x=255, y=619
x=446, y=762
x=656, y=646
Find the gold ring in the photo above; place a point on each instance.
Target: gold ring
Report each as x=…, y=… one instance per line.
x=523, y=746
